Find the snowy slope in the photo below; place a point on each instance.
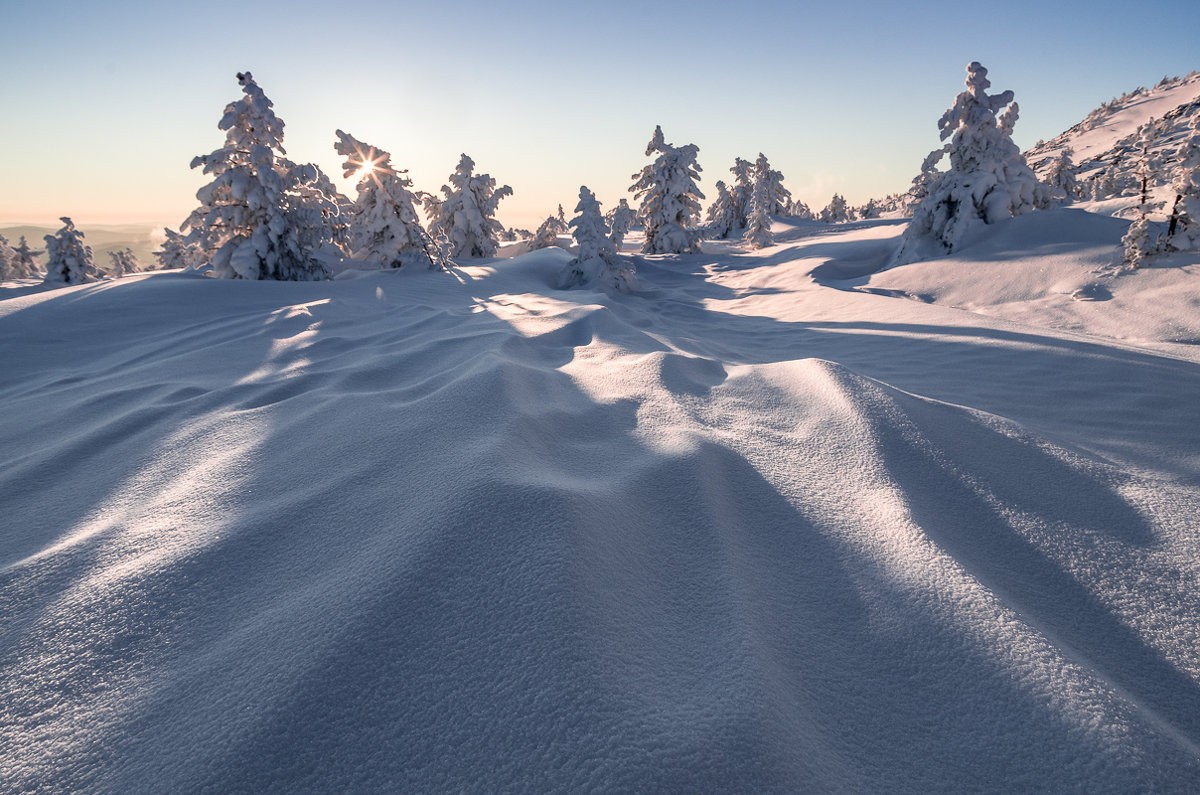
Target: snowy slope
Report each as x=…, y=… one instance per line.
x=1107, y=140
x=767, y=526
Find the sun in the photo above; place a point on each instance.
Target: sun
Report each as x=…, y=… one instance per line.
x=365, y=170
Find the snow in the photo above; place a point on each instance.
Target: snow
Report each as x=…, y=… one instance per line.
x=767, y=525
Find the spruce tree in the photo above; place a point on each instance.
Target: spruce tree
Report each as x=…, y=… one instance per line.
x=741, y=189
x=620, y=219
x=758, y=220
x=597, y=259
x=124, y=262
x=721, y=218
x=988, y=179
x=670, y=199
x=23, y=264
x=1183, y=232
x=466, y=216
x=384, y=225
x=68, y=258
x=262, y=216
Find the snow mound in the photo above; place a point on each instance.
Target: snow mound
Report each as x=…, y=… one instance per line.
x=428, y=531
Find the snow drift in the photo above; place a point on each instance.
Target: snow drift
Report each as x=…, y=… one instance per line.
x=430, y=531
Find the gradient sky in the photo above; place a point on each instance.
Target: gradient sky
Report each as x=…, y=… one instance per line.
x=107, y=103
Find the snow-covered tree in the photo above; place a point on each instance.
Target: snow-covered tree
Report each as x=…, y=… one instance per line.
x=721, y=218
x=177, y=251
x=7, y=259
x=620, y=219
x=1148, y=165
x=837, y=211
x=1184, y=229
x=23, y=265
x=546, y=235
x=384, y=225
x=742, y=188
x=68, y=258
x=597, y=259
x=1137, y=242
x=561, y=218
x=1061, y=176
x=670, y=199
x=262, y=216
x=467, y=213
x=124, y=262
x=758, y=220
x=777, y=196
x=869, y=210
x=799, y=210
x=988, y=179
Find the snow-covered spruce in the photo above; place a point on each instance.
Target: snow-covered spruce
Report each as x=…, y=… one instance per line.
x=758, y=219
x=670, y=199
x=68, y=258
x=597, y=260
x=1061, y=177
x=988, y=179
x=800, y=211
x=8, y=258
x=1138, y=243
x=124, y=262
x=1183, y=232
x=546, y=235
x=384, y=225
x=262, y=216
x=741, y=188
x=620, y=219
x=837, y=211
x=23, y=265
x=467, y=213
x=178, y=251
x=777, y=197
x=721, y=217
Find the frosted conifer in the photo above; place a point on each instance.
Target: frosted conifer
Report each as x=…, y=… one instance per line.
x=1062, y=176
x=68, y=258
x=1137, y=242
x=799, y=210
x=597, y=259
x=758, y=220
x=1184, y=229
x=777, y=196
x=988, y=179
x=7, y=260
x=467, y=213
x=23, y=265
x=670, y=199
x=124, y=262
x=262, y=216
x=721, y=218
x=384, y=225
x=837, y=211
x=177, y=251
x=741, y=189
x=620, y=219
x=546, y=235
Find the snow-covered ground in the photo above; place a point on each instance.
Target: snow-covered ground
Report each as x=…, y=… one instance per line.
x=770, y=524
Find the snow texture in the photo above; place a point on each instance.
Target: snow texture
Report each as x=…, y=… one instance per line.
x=752, y=529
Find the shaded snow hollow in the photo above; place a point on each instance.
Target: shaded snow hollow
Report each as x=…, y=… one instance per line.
x=765, y=526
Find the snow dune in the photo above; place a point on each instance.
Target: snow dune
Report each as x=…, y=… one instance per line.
x=766, y=526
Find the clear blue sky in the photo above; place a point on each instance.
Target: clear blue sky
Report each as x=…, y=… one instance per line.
x=107, y=103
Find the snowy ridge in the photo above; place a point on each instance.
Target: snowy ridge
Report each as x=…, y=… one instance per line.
x=742, y=531
x=1108, y=137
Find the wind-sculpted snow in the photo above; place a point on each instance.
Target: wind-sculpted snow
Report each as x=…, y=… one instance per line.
x=423, y=531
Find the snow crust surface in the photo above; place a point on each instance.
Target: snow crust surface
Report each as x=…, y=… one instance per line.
x=767, y=525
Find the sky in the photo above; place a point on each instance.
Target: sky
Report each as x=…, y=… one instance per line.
x=106, y=104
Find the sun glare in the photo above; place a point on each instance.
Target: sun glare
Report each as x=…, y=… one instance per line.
x=364, y=171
